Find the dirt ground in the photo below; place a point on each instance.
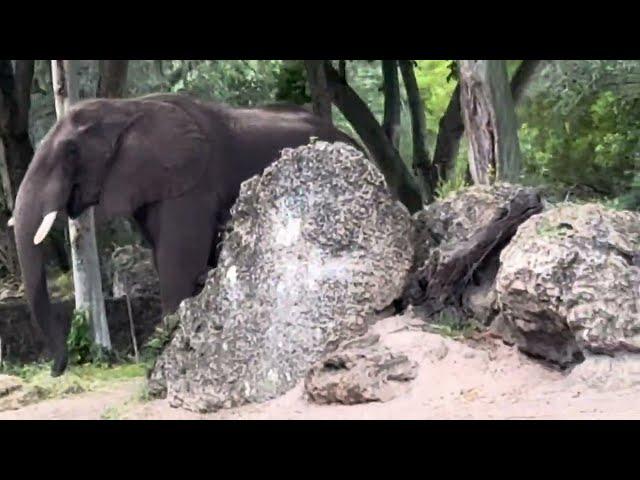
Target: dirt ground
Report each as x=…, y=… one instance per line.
x=456, y=380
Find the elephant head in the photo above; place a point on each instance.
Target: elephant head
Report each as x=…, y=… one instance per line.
x=116, y=154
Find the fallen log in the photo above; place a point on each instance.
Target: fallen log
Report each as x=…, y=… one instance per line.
x=440, y=283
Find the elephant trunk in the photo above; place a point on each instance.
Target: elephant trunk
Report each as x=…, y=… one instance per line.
x=33, y=218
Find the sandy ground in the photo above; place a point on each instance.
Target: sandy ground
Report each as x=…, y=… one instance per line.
x=487, y=380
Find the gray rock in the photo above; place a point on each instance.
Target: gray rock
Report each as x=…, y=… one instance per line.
x=133, y=272
x=360, y=371
x=316, y=246
x=568, y=283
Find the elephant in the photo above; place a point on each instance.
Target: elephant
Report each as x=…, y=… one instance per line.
x=171, y=162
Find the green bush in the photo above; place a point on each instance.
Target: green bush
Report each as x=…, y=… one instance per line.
x=580, y=127
x=79, y=341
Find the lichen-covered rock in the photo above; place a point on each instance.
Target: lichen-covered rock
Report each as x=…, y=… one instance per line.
x=442, y=226
x=360, y=371
x=569, y=282
x=316, y=246
x=133, y=272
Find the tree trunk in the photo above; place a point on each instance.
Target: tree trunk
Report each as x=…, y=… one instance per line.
x=490, y=121
x=367, y=127
x=8, y=250
x=342, y=69
x=320, y=95
x=452, y=126
x=450, y=131
x=421, y=163
x=112, y=79
x=84, y=252
x=16, y=150
x=522, y=77
x=392, y=106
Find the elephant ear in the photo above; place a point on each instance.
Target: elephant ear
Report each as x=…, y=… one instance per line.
x=159, y=153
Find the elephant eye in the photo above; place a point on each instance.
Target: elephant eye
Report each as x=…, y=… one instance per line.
x=72, y=150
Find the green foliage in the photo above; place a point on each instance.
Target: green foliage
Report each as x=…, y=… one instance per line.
x=24, y=371
x=62, y=285
x=592, y=140
x=160, y=338
x=451, y=325
x=79, y=341
x=459, y=179
x=436, y=83
x=291, y=83
x=237, y=82
x=81, y=347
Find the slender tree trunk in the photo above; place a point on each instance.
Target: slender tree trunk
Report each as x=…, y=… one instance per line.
x=422, y=167
x=392, y=106
x=367, y=127
x=490, y=121
x=450, y=131
x=320, y=95
x=84, y=252
x=451, y=126
x=522, y=77
x=112, y=80
x=342, y=69
x=5, y=176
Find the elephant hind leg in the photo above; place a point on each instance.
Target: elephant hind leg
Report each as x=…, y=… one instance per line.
x=182, y=232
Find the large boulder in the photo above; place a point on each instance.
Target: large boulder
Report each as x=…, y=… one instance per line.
x=316, y=246
x=569, y=283
x=359, y=371
x=442, y=227
x=133, y=272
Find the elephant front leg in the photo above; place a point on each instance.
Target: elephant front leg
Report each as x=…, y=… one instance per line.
x=182, y=232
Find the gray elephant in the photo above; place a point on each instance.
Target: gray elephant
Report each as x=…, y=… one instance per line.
x=171, y=162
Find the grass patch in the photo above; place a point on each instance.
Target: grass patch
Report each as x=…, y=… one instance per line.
x=112, y=413
x=39, y=385
x=117, y=412
x=452, y=326
x=62, y=285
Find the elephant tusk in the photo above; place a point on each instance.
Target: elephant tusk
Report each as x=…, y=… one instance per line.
x=45, y=226
x=11, y=222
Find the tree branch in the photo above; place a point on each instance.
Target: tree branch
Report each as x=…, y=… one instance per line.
x=450, y=130
x=391, y=90
x=522, y=77
x=367, y=127
x=320, y=96
x=421, y=163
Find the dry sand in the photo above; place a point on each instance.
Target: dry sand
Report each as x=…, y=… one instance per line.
x=486, y=380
